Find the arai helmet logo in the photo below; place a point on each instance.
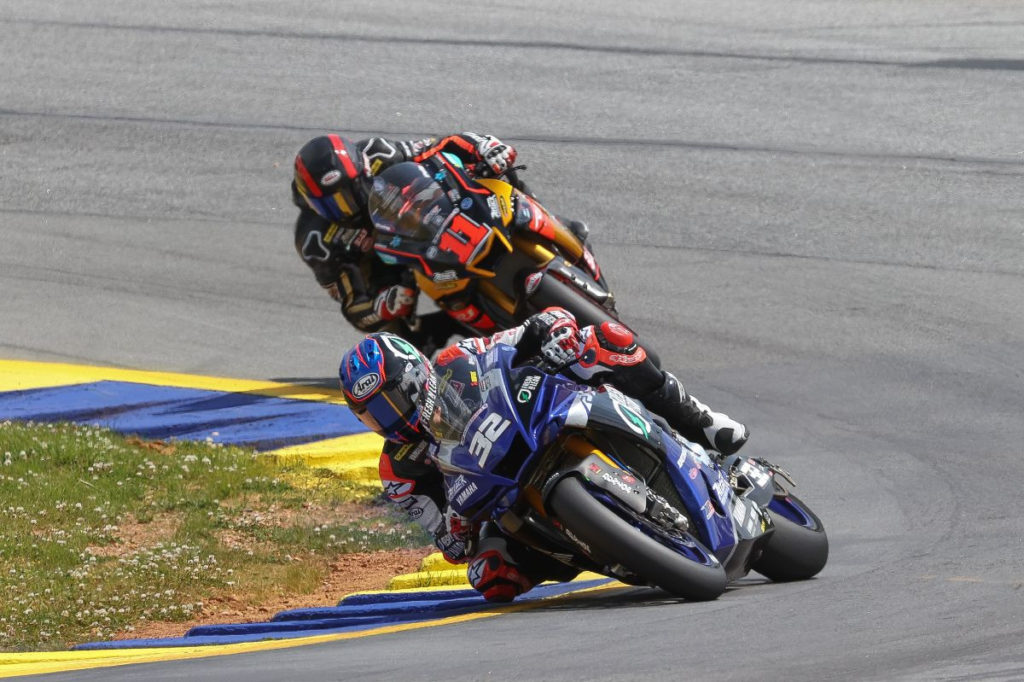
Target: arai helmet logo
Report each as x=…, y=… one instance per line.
x=365, y=386
x=330, y=177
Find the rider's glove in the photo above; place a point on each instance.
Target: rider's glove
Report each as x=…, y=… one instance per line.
x=458, y=544
x=395, y=302
x=561, y=344
x=498, y=156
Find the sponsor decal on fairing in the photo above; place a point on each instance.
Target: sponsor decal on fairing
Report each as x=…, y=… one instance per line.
x=466, y=494
x=445, y=276
x=585, y=546
x=530, y=384
x=608, y=478
x=492, y=203
x=633, y=420
x=722, y=488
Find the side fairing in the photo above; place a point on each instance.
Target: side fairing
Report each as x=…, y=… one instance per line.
x=703, y=488
x=706, y=492
x=612, y=409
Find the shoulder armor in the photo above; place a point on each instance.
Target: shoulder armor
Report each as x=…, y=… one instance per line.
x=380, y=153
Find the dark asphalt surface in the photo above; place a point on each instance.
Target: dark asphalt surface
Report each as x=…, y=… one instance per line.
x=813, y=209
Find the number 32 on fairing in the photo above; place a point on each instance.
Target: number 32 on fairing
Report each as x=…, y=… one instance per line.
x=487, y=433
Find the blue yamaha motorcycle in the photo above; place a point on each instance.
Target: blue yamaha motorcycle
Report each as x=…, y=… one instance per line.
x=591, y=478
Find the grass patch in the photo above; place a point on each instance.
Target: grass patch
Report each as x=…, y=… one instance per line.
x=102, y=533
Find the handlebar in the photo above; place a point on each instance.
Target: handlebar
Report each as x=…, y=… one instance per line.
x=511, y=175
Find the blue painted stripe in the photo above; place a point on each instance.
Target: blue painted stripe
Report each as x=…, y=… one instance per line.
x=358, y=618
x=390, y=597
x=201, y=641
x=334, y=624
x=165, y=412
x=387, y=609
x=270, y=628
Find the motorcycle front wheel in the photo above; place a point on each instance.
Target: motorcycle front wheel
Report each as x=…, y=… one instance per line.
x=798, y=547
x=608, y=537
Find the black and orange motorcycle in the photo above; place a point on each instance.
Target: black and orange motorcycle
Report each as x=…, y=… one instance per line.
x=487, y=253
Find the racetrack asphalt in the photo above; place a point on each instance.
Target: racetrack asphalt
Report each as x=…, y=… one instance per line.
x=812, y=209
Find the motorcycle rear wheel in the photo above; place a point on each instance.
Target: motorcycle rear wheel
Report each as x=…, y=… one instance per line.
x=614, y=539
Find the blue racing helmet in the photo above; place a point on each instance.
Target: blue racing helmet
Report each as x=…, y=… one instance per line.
x=384, y=379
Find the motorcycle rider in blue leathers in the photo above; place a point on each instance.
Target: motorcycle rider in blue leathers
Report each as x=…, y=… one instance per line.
x=394, y=390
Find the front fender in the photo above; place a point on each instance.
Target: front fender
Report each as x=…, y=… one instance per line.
x=620, y=484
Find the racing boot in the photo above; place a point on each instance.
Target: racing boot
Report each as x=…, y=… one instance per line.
x=694, y=420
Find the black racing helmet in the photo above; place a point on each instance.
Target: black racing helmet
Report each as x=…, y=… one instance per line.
x=332, y=178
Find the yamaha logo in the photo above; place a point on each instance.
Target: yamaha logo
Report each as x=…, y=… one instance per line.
x=364, y=386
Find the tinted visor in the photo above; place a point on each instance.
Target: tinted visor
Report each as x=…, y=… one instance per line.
x=389, y=413
x=335, y=207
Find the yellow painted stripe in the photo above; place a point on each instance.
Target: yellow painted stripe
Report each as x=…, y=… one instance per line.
x=18, y=375
x=62, y=661
x=450, y=578
x=352, y=458
x=435, y=562
x=358, y=448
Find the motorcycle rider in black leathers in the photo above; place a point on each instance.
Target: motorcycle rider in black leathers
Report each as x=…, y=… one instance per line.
x=394, y=390
x=334, y=234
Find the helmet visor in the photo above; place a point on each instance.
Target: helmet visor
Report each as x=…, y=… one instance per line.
x=335, y=207
x=391, y=413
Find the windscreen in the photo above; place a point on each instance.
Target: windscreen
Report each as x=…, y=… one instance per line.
x=459, y=396
x=408, y=202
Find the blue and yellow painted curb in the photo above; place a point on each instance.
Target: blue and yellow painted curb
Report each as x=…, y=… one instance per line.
x=292, y=423
x=452, y=606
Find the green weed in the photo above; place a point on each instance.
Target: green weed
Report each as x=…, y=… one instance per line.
x=101, y=533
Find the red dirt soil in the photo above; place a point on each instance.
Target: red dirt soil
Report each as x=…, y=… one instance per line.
x=349, y=573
